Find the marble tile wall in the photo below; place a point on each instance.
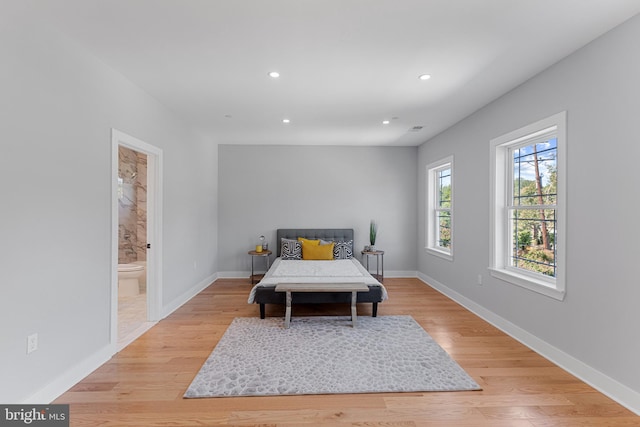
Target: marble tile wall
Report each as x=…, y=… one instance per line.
x=132, y=206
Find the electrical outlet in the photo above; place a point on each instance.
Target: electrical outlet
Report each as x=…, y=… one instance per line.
x=195, y=265
x=32, y=343
x=479, y=279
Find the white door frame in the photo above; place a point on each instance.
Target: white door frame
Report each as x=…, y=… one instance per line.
x=154, y=227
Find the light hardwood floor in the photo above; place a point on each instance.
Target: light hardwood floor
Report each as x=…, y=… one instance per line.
x=143, y=384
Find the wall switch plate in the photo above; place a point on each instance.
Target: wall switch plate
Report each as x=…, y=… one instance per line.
x=32, y=343
x=479, y=279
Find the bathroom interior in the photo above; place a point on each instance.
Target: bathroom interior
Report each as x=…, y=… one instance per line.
x=132, y=246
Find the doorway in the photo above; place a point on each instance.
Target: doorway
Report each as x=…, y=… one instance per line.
x=136, y=239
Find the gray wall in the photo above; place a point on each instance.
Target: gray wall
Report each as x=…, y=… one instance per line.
x=597, y=323
x=58, y=106
x=263, y=188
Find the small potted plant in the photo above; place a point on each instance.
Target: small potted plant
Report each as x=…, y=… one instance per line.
x=373, y=232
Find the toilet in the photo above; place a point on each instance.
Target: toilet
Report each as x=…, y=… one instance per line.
x=128, y=275
x=143, y=278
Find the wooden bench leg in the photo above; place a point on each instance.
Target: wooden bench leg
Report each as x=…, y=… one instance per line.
x=287, y=316
x=354, y=313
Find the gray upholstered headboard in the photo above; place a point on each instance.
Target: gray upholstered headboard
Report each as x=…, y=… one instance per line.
x=334, y=234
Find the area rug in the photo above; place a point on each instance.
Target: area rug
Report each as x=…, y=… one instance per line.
x=326, y=355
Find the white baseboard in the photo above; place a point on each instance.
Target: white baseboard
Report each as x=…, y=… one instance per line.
x=186, y=296
x=400, y=274
x=234, y=274
x=70, y=378
x=617, y=391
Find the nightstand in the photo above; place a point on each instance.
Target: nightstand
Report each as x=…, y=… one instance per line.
x=379, y=263
x=255, y=278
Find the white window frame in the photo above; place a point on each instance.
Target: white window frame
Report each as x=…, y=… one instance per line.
x=432, y=232
x=501, y=190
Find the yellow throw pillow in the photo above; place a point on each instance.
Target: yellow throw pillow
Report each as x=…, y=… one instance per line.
x=315, y=251
x=309, y=241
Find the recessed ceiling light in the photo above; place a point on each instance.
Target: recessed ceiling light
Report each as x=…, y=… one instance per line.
x=274, y=74
x=425, y=77
x=286, y=121
x=385, y=122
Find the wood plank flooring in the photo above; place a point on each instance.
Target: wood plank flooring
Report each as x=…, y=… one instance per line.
x=144, y=383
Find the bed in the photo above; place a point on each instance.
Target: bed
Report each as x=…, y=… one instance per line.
x=290, y=270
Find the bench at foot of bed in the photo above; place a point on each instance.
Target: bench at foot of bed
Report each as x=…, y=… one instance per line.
x=268, y=295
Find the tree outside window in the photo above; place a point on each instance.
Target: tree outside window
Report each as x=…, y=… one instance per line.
x=533, y=206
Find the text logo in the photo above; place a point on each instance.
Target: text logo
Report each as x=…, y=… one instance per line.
x=34, y=415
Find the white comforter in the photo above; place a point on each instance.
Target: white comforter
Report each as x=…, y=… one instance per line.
x=336, y=271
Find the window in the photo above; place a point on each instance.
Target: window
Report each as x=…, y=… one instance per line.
x=439, y=227
x=528, y=206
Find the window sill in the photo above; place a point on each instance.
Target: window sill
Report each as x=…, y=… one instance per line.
x=531, y=283
x=440, y=254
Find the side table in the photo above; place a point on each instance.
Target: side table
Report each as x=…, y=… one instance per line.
x=379, y=263
x=255, y=278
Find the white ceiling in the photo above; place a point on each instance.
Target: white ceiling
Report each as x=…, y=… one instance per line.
x=345, y=65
